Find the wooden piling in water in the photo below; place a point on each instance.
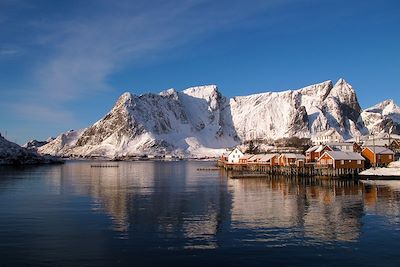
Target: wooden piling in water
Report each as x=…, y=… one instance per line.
x=292, y=171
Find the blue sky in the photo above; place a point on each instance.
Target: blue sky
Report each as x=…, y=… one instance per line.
x=64, y=63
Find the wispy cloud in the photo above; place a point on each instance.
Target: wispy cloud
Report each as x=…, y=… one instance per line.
x=83, y=47
x=9, y=51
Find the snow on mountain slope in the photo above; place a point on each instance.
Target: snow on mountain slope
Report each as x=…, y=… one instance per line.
x=60, y=144
x=381, y=117
x=200, y=121
x=300, y=113
x=171, y=122
x=35, y=144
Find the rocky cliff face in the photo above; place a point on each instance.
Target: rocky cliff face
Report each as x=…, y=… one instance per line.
x=300, y=113
x=200, y=121
x=35, y=144
x=382, y=117
x=171, y=122
x=13, y=154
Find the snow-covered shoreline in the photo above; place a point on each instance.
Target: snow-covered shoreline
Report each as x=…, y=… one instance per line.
x=393, y=170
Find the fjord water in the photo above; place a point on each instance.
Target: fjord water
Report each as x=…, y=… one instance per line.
x=154, y=213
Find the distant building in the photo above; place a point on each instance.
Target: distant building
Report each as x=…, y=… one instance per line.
x=378, y=155
x=224, y=157
x=288, y=159
x=384, y=142
x=393, y=144
x=395, y=147
x=342, y=146
x=326, y=137
x=235, y=155
x=341, y=160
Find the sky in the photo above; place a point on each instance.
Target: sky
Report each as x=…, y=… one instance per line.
x=63, y=64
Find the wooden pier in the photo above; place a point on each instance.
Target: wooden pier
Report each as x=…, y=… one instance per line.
x=308, y=170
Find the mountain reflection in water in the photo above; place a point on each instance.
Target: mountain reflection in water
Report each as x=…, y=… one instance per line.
x=171, y=197
x=171, y=206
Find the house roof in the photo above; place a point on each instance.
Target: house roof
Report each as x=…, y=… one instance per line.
x=312, y=149
x=246, y=156
x=341, y=155
x=254, y=158
x=293, y=156
x=380, y=150
x=321, y=147
x=234, y=150
x=266, y=157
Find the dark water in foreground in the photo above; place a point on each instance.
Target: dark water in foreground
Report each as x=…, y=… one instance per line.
x=170, y=214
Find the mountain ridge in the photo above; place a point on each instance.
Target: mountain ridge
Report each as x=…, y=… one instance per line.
x=200, y=121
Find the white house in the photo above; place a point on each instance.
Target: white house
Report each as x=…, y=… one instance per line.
x=327, y=137
x=235, y=155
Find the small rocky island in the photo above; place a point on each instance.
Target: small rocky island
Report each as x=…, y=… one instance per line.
x=13, y=154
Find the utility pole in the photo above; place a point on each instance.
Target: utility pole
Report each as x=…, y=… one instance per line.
x=390, y=130
x=373, y=145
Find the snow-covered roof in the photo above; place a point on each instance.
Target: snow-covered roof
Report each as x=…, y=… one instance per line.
x=320, y=148
x=266, y=157
x=380, y=150
x=341, y=155
x=236, y=148
x=312, y=149
x=254, y=158
x=293, y=156
x=247, y=156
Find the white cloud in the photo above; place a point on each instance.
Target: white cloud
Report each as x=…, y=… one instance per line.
x=9, y=51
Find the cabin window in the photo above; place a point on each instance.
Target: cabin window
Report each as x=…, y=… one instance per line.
x=342, y=162
x=330, y=161
x=390, y=156
x=358, y=162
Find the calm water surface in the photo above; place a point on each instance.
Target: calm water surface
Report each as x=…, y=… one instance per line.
x=169, y=213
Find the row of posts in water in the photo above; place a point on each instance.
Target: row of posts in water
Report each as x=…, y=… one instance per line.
x=308, y=170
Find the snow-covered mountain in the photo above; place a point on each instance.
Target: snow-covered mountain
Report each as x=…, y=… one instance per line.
x=35, y=144
x=382, y=117
x=200, y=121
x=300, y=113
x=196, y=121
x=11, y=153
